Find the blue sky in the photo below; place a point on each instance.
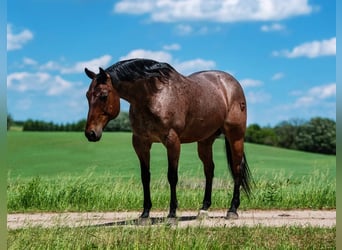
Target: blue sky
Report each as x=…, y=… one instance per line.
x=282, y=52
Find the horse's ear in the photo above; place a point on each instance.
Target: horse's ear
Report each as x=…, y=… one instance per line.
x=89, y=73
x=103, y=73
x=103, y=76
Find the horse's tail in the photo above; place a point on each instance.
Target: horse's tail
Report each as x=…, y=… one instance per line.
x=246, y=176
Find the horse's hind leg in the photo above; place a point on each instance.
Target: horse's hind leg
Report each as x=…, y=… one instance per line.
x=235, y=152
x=205, y=153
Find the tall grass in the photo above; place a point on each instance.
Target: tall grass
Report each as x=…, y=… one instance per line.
x=85, y=193
x=163, y=237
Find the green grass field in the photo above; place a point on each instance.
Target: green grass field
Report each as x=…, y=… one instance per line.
x=55, y=154
x=64, y=172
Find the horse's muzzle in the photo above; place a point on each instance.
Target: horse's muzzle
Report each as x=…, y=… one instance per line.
x=92, y=135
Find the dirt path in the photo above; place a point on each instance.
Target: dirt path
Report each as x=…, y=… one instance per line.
x=319, y=218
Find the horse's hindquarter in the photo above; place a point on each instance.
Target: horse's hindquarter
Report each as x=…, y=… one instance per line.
x=219, y=99
x=208, y=106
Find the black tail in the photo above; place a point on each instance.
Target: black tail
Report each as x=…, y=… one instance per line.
x=246, y=176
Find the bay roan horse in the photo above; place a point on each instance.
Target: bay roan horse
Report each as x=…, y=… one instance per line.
x=170, y=108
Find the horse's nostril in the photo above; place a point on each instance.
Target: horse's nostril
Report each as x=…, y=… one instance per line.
x=91, y=135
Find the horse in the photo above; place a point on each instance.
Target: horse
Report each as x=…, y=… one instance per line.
x=170, y=108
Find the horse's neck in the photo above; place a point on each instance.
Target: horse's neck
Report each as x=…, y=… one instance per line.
x=134, y=92
x=142, y=91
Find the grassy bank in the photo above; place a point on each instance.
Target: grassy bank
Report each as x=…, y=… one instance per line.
x=163, y=237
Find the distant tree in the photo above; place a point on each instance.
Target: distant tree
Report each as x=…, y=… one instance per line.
x=10, y=121
x=318, y=135
x=286, y=133
x=260, y=135
x=80, y=125
x=120, y=123
x=253, y=133
x=269, y=136
x=28, y=125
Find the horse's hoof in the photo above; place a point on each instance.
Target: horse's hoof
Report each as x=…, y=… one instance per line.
x=172, y=214
x=145, y=214
x=202, y=214
x=232, y=216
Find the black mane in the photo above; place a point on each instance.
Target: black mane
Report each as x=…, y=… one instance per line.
x=135, y=69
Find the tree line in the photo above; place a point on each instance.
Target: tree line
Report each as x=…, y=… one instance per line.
x=316, y=135
x=121, y=123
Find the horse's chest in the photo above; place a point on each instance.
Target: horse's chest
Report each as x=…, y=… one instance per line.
x=146, y=124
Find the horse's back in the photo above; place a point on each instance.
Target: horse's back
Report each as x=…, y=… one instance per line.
x=219, y=78
x=222, y=83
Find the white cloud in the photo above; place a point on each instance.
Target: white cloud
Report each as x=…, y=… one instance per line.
x=278, y=76
x=93, y=65
x=51, y=66
x=324, y=91
x=191, y=66
x=184, y=29
x=272, y=27
x=161, y=56
x=316, y=95
x=18, y=40
x=134, y=7
x=174, y=46
x=29, y=61
x=38, y=82
x=23, y=81
x=62, y=67
x=217, y=11
x=258, y=97
x=310, y=49
x=58, y=86
x=248, y=82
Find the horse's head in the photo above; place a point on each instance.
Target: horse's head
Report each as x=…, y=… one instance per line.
x=104, y=104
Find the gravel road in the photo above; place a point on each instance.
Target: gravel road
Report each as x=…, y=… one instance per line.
x=274, y=218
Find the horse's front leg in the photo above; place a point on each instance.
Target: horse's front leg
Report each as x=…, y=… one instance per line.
x=172, y=144
x=142, y=149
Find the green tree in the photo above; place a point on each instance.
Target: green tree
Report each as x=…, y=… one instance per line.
x=261, y=135
x=10, y=121
x=286, y=133
x=318, y=135
x=120, y=123
x=253, y=133
x=80, y=125
x=269, y=136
